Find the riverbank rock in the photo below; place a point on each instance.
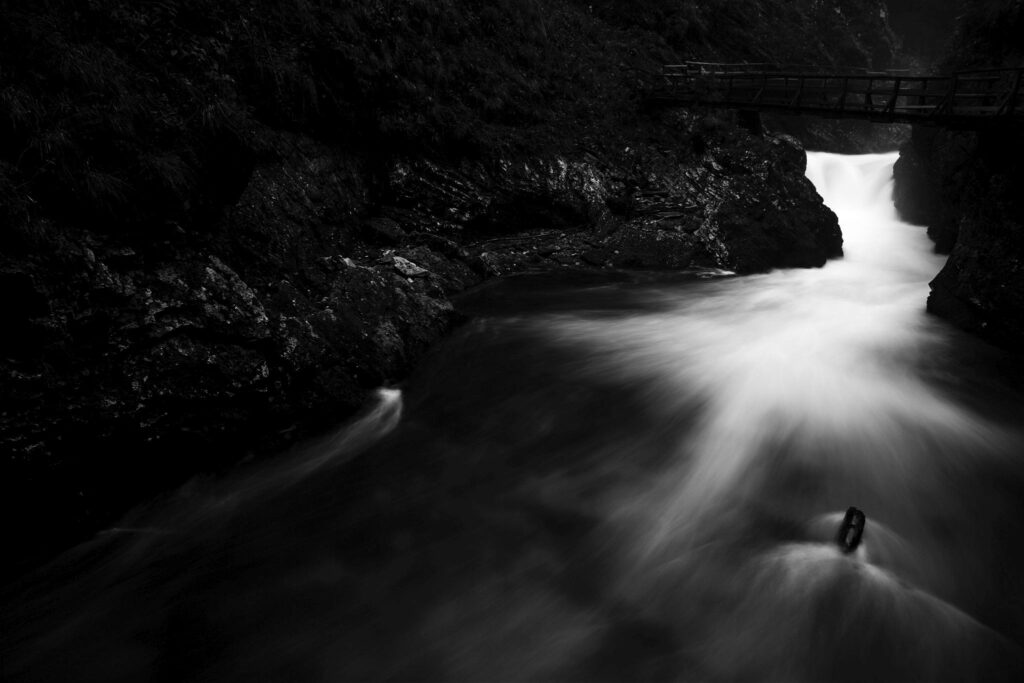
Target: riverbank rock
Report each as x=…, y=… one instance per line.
x=179, y=351
x=135, y=363
x=929, y=181
x=226, y=223
x=966, y=188
x=743, y=207
x=841, y=136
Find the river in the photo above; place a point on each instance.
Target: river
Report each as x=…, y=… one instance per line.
x=603, y=478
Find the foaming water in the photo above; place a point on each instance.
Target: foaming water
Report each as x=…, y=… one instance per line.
x=351, y=440
x=635, y=479
x=811, y=613
x=813, y=363
x=806, y=378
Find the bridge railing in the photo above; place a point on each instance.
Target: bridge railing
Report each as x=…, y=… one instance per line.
x=891, y=95
x=692, y=68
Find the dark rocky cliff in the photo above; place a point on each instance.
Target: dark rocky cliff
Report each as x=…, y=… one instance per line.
x=924, y=27
x=966, y=186
x=225, y=223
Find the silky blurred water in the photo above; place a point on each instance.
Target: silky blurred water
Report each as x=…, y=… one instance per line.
x=636, y=477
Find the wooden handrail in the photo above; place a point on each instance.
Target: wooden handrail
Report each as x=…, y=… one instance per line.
x=897, y=95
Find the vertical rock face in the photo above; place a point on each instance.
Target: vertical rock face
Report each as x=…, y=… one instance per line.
x=928, y=181
x=967, y=188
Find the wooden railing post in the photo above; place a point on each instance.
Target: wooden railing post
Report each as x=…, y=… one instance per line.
x=890, y=107
x=1009, y=104
x=760, y=92
x=794, y=101
x=947, y=105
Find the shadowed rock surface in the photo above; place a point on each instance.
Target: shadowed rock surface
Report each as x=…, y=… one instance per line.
x=965, y=186
x=226, y=223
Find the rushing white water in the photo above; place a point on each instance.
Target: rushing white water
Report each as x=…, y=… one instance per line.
x=805, y=375
x=815, y=360
x=644, y=484
x=807, y=354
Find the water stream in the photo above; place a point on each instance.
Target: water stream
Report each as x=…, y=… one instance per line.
x=601, y=479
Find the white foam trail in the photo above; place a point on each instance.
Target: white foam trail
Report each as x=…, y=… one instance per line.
x=192, y=517
x=334, y=450
x=812, y=613
x=200, y=501
x=879, y=546
x=353, y=438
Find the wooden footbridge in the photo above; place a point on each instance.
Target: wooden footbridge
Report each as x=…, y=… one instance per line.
x=968, y=99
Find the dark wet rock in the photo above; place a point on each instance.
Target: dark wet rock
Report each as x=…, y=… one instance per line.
x=966, y=188
x=251, y=220
x=928, y=178
x=133, y=367
x=181, y=352
x=747, y=210
x=384, y=231
x=407, y=268
x=841, y=136
x=449, y=273
x=596, y=257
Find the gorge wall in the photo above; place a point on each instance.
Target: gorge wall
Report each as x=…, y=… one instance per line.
x=966, y=186
x=226, y=222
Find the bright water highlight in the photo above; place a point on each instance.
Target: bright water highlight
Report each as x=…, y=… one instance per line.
x=636, y=478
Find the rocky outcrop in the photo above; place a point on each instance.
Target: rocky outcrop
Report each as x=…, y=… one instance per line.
x=930, y=180
x=841, y=136
x=135, y=361
x=226, y=223
x=131, y=363
x=966, y=188
x=744, y=208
